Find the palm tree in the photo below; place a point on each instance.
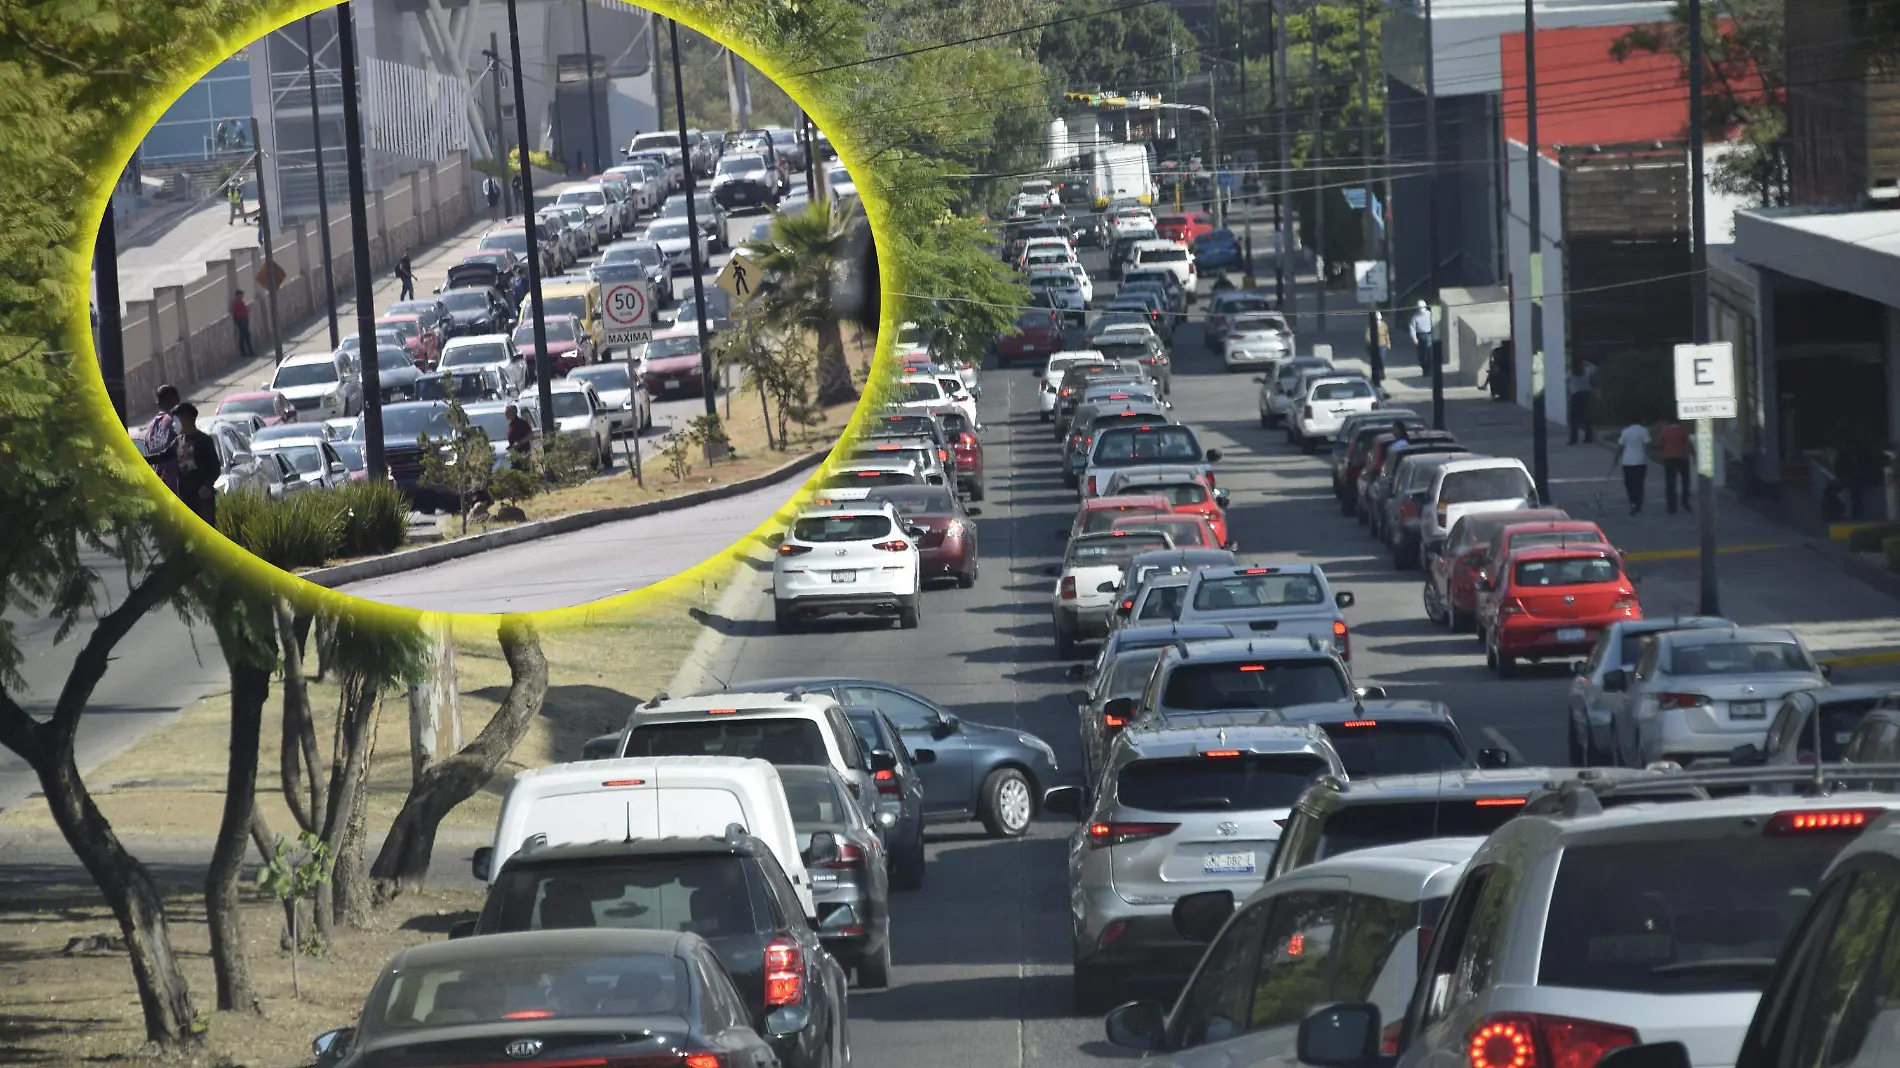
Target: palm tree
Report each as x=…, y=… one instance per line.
x=798, y=268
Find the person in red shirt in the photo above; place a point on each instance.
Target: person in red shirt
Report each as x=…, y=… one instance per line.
x=241, y=315
x=1677, y=450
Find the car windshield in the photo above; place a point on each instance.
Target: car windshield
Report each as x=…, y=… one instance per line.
x=1392, y=823
x=604, y=377
x=403, y=331
x=916, y=500
x=557, y=330
x=534, y=985
x=863, y=479
x=1117, y=349
x=1268, y=683
x=914, y=392
x=1033, y=320
x=264, y=406
x=307, y=459
x=1243, y=783
x=667, y=231
x=617, y=272
x=475, y=355
x=575, y=305
x=906, y=425
x=679, y=345
x=1738, y=658
x=304, y=374
x=742, y=165
x=513, y=240
x=1114, y=551
x=1101, y=519
x=786, y=740
x=1487, y=484
x=393, y=359
x=1567, y=571
x=1253, y=324
x=1164, y=255
x=1838, y=721
x=464, y=386
x=1188, y=532
x=465, y=300
x=838, y=528
x=1371, y=747
x=815, y=802
x=1162, y=602
x=1693, y=915
x=1126, y=446
x=352, y=454
x=646, y=254
x=569, y=403
x=1357, y=389
x=493, y=423
x=873, y=451
x=405, y=422
x=592, y=198
x=1259, y=591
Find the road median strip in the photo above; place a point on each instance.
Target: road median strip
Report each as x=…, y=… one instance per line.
x=1652, y=555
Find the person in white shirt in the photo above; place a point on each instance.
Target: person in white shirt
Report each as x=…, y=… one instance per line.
x=1421, y=327
x=1632, y=454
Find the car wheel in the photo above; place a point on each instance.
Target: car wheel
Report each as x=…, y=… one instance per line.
x=784, y=620
x=1048, y=416
x=910, y=610
x=907, y=865
x=1434, y=606
x=1265, y=419
x=874, y=972
x=1404, y=555
x=967, y=579
x=1456, y=620
x=1097, y=989
x=1006, y=805
x=1505, y=663
x=1308, y=446
x=1346, y=505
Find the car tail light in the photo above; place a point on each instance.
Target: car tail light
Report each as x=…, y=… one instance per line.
x=1512, y=607
x=1068, y=587
x=953, y=529
x=704, y=1060
x=966, y=440
x=1442, y=511
x=1091, y=485
x=887, y=783
x=846, y=856
x=784, y=973
x=1114, y=834
x=1306, y=411
x=1680, y=700
x=1342, y=641
x=1113, y=723
x=892, y=546
x=1821, y=821
x=1221, y=753
x=1360, y=723
x=788, y=549
x=1408, y=508
x=1128, y=606
x=943, y=456
x=1524, y=1040
x=1622, y=603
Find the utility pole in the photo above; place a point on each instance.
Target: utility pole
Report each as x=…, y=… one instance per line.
x=810, y=130
x=692, y=227
x=359, y=248
x=1540, y=429
x=1365, y=126
x=1316, y=164
x=543, y=363
x=1283, y=216
x=323, y=191
x=501, y=129
x=111, y=342
x=264, y=238
x=1710, y=591
x=1246, y=137
x=1431, y=210
x=593, y=106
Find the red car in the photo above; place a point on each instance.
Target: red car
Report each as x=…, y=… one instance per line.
x=1099, y=513
x=272, y=407
x=1183, y=229
x=422, y=344
x=1451, y=582
x=1528, y=532
x=968, y=449
x=1552, y=602
x=565, y=351
x=1036, y=336
x=1188, y=531
x=1190, y=493
x=672, y=363
x=948, y=547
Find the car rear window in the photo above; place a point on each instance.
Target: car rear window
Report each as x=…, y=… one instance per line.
x=1257, y=591
x=1188, y=532
x=705, y=894
x=1396, y=822
x=874, y=478
x=532, y=985
x=1838, y=721
x=1177, y=493
x=796, y=742
x=1241, y=305
x=1279, y=683
x=913, y=392
x=1217, y=784
x=1487, y=484
x=1116, y=551
x=1562, y=537
x=1370, y=747
x=1103, y=518
x=1136, y=445
x=1122, y=350
x=1678, y=916
x=1162, y=602
x=1164, y=255
x=1738, y=658
x=1129, y=675
x=841, y=528
x=1569, y=571
x=1328, y=391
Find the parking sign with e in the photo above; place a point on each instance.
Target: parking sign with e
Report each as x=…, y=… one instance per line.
x=1705, y=381
x=626, y=313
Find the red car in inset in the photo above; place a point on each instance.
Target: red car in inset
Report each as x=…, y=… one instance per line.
x=1451, y=581
x=422, y=344
x=1036, y=336
x=1184, y=229
x=1187, y=531
x=269, y=405
x=1098, y=514
x=566, y=350
x=1552, y=602
x=968, y=449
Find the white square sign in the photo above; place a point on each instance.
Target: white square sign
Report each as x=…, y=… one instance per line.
x=1705, y=381
x=1369, y=281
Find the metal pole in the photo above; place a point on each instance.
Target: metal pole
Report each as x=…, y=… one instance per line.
x=1316, y=164
x=264, y=238
x=1283, y=218
x=1365, y=127
x=1220, y=213
x=111, y=341
x=1710, y=590
x=1431, y=210
x=811, y=152
x=692, y=226
x=1533, y=203
x=593, y=106
x=501, y=131
x=359, y=248
x=543, y=363
x=323, y=190
x=1246, y=130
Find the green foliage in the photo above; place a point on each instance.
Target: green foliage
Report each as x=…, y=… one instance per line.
x=708, y=104
x=374, y=515
x=1128, y=50
x=1872, y=539
x=292, y=876
x=798, y=266
x=542, y=161
x=1634, y=386
x=677, y=447
x=562, y=460
x=315, y=526
x=462, y=463
x=780, y=373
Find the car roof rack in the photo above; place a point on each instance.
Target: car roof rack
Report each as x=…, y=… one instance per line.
x=658, y=699
x=1665, y=779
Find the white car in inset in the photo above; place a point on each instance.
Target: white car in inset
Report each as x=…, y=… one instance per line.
x=1328, y=401
x=954, y=392
x=580, y=416
x=322, y=386
x=854, y=558
x=1087, y=580
x=1050, y=377
x=1256, y=338
x=628, y=409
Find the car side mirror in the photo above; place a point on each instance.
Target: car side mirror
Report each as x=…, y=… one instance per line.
x=1213, y=456
x=1494, y=758
x=1744, y=756
x=1653, y=1055
x=946, y=727
x=824, y=845
x=1108, y=587
x=1063, y=801
x=338, y=469
x=1827, y=671
x=462, y=929
x=787, y=1021
x=1199, y=917
x=924, y=756
x=1617, y=681
x=482, y=863
x=239, y=459
x=1340, y=1036
x=1138, y=1025
x=972, y=512
x=1122, y=708
x=883, y=760
x=1344, y=599
x=916, y=531
x=1580, y=667
x=1371, y=693
x=331, y=1045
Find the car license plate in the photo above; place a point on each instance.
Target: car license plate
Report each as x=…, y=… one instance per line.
x=672, y=383
x=1747, y=710
x=1570, y=634
x=1240, y=863
x=844, y=576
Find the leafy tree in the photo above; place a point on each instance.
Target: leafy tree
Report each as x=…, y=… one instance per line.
x=462, y=463
x=292, y=874
x=1140, y=49
x=798, y=270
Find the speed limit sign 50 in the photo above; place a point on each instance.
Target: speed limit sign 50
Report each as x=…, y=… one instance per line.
x=626, y=313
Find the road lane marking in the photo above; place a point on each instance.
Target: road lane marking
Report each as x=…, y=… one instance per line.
x=1652, y=555
x=1857, y=660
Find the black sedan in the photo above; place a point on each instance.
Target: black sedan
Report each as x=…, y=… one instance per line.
x=996, y=775
x=595, y=996
x=478, y=310
x=900, y=795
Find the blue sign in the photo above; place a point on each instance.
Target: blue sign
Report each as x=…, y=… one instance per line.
x=1230, y=179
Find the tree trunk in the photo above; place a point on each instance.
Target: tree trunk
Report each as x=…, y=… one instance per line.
x=347, y=888
x=355, y=899
x=765, y=407
x=250, y=688
x=298, y=764
x=834, y=372
x=404, y=860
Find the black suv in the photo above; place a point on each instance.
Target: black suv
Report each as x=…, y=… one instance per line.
x=729, y=891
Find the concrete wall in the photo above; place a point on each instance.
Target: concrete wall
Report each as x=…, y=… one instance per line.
x=184, y=333
x=1517, y=227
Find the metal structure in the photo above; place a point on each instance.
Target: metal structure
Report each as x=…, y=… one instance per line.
x=378, y=470
x=543, y=365
x=1540, y=424
x=1709, y=592
x=323, y=191
x=711, y=386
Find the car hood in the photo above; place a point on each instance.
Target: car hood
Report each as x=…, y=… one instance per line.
x=574, y=424
x=402, y=375
x=615, y=398
x=673, y=365
x=321, y=389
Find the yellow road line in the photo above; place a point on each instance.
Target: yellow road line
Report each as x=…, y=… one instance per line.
x=1885, y=656
x=1690, y=554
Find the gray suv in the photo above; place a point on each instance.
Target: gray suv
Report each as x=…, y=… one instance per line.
x=1176, y=810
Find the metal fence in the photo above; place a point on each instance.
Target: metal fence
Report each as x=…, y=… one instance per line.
x=413, y=112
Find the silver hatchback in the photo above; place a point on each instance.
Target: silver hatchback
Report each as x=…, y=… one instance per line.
x=1177, y=809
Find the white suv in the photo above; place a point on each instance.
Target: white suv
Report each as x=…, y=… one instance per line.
x=1329, y=400
x=847, y=559
x=1170, y=256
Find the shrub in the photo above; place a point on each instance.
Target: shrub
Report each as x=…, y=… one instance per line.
x=1632, y=387
x=373, y=516
x=1891, y=548
x=302, y=530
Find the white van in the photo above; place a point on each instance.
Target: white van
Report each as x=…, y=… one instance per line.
x=631, y=798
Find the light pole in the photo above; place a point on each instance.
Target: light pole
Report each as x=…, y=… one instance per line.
x=264, y=239
x=1316, y=164
x=359, y=249
x=593, y=106
x=1431, y=225
x=1246, y=129
x=692, y=244
x=1540, y=446
x=501, y=128
x=323, y=192
x=1283, y=217
x=111, y=343
x=543, y=365
x=1710, y=596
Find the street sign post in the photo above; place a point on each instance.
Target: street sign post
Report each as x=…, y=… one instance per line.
x=1705, y=381
x=738, y=278
x=626, y=313
x=1370, y=278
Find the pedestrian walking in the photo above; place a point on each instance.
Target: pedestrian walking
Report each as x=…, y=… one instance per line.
x=1677, y=450
x=491, y=190
x=161, y=438
x=1865, y=466
x=520, y=293
x=520, y=198
x=1579, y=386
x=198, y=464
x=1502, y=369
x=235, y=197
x=1632, y=455
x=406, y=273
x=520, y=432
x=1378, y=343
x=241, y=317
x=1422, y=336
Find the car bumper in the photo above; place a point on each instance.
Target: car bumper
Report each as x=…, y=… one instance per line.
x=1084, y=622
x=950, y=558
x=1250, y=358
x=1671, y=735
x=659, y=385
x=1110, y=931
x=1540, y=639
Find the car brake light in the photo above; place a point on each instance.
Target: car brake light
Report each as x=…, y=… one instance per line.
x=784, y=973
x=1360, y=723
x=722, y=711
x=624, y=782
x=788, y=549
x=1342, y=644
x=1091, y=485
x=704, y=1060
x=846, y=856
x=1068, y=587
x=1128, y=606
x=1524, y=1040
x=1512, y=607
x=1113, y=722
x=966, y=440
x=1221, y=753
x=1259, y=570
x=1680, y=700
x=892, y=546
x=1114, y=834
x=887, y=783
x=1441, y=515
x=1306, y=411
x=1389, y=1036
x=1820, y=821
x=1622, y=603
x=1498, y=802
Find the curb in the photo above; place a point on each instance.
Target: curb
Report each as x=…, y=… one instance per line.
x=430, y=555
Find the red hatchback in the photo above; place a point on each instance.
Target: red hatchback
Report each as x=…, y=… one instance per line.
x=1451, y=580
x=270, y=406
x=1037, y=335
x=1552, y=602
x=968, y=449
x=1187, y=531
x=1184, y=229
x=1098, y=514
x=1190, y=493
x=948, y=548
x=422, y=344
